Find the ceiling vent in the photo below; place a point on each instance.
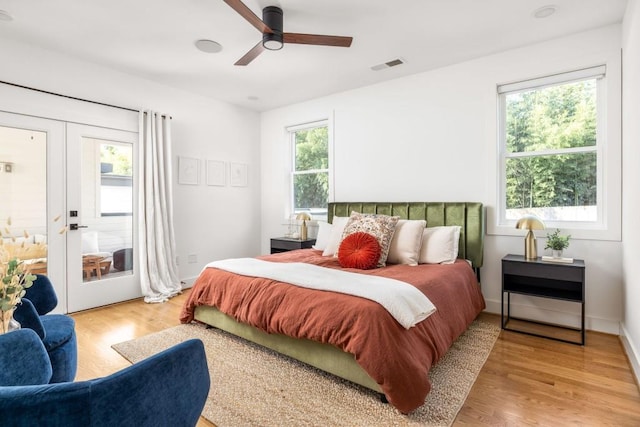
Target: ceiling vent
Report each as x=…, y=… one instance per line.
x=392, y=63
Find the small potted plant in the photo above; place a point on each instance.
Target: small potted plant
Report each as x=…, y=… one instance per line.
x=557, y=243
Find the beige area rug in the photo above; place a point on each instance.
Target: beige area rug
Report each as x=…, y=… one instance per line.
x=254, y=386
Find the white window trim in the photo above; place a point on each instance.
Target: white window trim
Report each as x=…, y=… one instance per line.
x=609, y=226
x=542, y=82
x=289, y=130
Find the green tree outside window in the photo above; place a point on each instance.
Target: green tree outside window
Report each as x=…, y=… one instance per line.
x=551, y=158
x=311, y=169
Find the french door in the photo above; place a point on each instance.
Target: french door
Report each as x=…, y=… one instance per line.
x=32, y=196
x=100, y=216
x=68, y=192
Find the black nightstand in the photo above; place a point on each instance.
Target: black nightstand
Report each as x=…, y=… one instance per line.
x=284, y=244
x=561, y=281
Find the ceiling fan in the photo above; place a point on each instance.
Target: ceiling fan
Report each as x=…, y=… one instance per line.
x=272, y=36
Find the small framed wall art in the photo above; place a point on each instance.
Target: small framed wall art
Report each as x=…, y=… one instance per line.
x=238, y=175
x=216, y=173
x=188, y=170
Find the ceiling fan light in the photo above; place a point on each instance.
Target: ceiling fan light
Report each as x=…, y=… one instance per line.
x=273, y=18
x=272, y=41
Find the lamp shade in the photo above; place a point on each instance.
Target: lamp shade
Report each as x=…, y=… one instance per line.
x=530, y=222
x=303, y=216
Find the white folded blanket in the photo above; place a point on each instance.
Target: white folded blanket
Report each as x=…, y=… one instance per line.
x=403, y=301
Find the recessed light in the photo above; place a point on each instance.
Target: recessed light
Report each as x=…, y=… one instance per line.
x=208, y=46
x=545, y=11
x=5, y=16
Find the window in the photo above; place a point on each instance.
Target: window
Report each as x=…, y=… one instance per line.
x=310, y=168
x=551, y=149
x=116, y=179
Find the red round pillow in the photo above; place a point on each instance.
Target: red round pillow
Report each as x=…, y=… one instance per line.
x=359, y=250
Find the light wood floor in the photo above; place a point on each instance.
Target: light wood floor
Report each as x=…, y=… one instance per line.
x=525, y=381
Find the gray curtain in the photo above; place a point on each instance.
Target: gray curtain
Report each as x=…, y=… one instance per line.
x=157, y=255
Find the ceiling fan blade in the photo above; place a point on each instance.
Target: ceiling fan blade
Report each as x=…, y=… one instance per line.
x=317, y=39
x=247, y=14
x=251, y=55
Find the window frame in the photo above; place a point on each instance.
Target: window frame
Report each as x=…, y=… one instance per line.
x=291, y=132
x=603, y=163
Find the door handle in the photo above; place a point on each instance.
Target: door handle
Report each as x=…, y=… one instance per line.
x=76, y=226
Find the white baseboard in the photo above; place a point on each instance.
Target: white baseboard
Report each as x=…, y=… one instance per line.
x=558, y=317
x=188, y=282
x=632, y=352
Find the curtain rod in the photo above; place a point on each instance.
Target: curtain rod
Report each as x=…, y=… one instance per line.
x=69, y=97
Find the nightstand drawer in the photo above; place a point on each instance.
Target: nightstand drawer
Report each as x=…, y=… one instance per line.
x=543, y=287
x=284, y=244
x=544, y=271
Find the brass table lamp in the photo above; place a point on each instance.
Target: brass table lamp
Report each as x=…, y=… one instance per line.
x=530, y=222
x=304, y=217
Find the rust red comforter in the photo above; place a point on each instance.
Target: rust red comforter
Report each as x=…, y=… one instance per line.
x=398, y=359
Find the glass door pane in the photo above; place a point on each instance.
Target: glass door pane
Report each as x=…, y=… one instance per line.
x=107, y=208
x=23, y=192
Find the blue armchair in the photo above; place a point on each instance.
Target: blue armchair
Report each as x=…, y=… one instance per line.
x=167, y=389
x=57, y=331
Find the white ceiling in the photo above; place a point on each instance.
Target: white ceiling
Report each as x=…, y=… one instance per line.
x=154, y=39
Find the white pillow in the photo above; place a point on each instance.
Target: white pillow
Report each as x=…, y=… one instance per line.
x=406, y=242
x=335, y=237
x=90, y=242
x=440, y=245
x=324, y=231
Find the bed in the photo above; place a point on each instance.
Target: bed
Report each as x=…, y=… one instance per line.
x=352, y=337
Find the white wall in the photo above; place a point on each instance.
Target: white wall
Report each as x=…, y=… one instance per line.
x=631, y=176
x=432, y=137
x=210, y=222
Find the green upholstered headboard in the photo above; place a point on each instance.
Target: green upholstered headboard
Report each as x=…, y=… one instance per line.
x=468, y=215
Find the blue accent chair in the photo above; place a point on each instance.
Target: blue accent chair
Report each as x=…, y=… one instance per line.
x=57, y=331
x=167, y=389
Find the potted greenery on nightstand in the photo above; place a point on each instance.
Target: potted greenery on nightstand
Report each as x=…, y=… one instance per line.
x=557, y=243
